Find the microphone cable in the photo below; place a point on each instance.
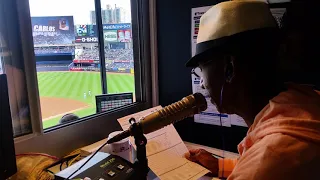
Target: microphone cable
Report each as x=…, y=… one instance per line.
x=222, y=131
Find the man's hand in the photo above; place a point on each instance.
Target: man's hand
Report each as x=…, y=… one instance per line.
x=205, y=159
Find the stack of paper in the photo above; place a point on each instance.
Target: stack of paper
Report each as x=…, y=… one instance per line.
x=165, y=151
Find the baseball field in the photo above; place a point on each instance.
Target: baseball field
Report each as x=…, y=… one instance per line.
x=74, y=92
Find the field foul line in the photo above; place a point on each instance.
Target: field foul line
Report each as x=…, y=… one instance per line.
x=61, y=114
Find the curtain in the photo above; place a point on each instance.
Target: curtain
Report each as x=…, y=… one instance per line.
x=12, y=64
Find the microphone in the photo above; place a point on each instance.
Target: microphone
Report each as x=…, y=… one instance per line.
x=188, y=106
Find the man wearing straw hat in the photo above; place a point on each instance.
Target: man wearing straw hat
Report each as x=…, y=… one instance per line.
x=236, y=51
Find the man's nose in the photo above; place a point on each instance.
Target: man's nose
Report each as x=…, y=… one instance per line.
x=202, y=83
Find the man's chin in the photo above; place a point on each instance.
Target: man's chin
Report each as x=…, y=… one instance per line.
x=219, y=109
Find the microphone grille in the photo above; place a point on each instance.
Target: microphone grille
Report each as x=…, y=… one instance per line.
x=200, y=102
x=190, y=105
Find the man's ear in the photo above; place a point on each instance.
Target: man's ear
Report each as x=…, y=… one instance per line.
x=229, y=68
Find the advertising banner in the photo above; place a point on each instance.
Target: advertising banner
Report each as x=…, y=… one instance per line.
x=112, y=33
x=84, y=61
x=55, y=30
x=121, y=36
x=86, y=39
x=124, y=35
x=110, y=36
x=87, y=30
x=120, y=70
x=117, y=45
x=127, y=35
x=117, y=26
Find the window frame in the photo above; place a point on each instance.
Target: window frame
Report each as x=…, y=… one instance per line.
x=63, y=139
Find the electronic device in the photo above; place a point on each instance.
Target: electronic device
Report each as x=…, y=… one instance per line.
x=7, y=153
x=188, y=106
x=102, y=166
x=107, y=102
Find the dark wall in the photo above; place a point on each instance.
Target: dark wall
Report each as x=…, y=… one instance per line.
x=174, y=49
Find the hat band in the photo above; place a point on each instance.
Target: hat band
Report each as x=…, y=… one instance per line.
x=207, y=45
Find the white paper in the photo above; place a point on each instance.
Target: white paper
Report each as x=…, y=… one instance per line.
x=238, y=121
x=165, y=151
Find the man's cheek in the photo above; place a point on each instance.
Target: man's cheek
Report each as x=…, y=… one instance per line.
x=202, y=85
x=207, y=90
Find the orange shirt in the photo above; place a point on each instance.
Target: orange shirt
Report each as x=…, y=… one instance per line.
x=283, y=142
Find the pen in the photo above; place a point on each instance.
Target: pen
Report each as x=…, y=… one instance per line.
x=217, y=156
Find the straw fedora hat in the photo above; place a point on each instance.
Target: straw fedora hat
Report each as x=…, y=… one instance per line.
x=230, y=25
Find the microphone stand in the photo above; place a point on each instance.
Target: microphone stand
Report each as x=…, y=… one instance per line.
x=141, y=141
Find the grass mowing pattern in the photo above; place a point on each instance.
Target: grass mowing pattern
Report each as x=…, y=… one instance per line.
x=73, y=85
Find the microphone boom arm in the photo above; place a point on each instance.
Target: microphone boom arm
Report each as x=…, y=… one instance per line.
x=141, y=141
x=190, y=105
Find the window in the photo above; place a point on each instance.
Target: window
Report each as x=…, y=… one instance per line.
x=43, y=58
x=71, y=70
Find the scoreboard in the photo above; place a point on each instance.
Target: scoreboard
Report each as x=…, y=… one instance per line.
x=110, y=101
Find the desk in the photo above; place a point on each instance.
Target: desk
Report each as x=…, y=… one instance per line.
x=93, y=147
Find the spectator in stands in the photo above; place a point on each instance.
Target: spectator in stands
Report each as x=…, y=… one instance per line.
x=53, y=40
x=53, y=50
x=120, y=58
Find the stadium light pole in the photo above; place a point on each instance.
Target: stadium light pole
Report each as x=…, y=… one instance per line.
x=101, y=46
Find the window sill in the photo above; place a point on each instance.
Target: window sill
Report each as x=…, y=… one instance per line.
x=62, y=140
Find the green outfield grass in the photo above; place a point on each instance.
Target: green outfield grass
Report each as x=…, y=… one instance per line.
x=72, y=85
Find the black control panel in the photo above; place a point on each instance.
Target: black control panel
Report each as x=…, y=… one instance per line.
x=111, y=167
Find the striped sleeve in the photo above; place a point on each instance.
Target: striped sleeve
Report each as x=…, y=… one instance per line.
x=226, y=167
